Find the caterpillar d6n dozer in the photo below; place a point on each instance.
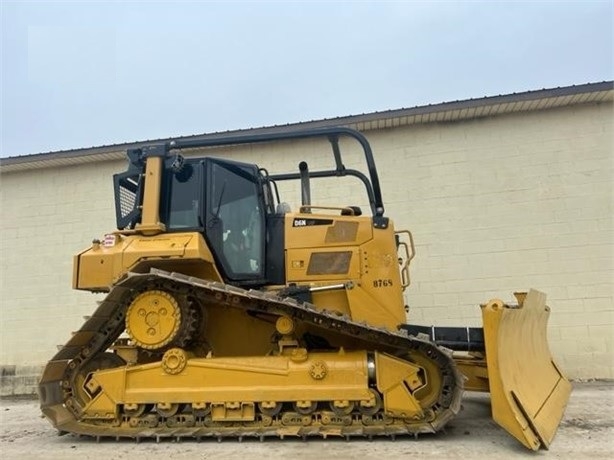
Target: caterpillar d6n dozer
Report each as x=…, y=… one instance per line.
x=228, y=315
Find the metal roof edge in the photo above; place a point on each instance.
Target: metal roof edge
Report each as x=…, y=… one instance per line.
x=362, y=121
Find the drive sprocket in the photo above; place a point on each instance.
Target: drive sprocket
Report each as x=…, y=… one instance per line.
x=157, y=320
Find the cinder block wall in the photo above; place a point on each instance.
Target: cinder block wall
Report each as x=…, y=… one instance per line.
x=47, y=215
x=511, y=203
x=495, y=205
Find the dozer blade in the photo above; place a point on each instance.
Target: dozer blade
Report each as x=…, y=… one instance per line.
x=528, y=391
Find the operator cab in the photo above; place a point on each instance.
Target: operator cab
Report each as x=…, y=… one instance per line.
x=221, y=199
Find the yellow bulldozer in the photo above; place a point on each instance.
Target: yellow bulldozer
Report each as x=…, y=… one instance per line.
x=227, y=314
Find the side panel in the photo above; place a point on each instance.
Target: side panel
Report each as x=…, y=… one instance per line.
x=103, y=264
x=380, y=295
x=345, y=252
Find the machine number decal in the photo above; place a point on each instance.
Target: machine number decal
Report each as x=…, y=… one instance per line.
x=379, y=283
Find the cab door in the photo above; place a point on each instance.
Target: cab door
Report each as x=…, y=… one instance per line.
x=235, y=220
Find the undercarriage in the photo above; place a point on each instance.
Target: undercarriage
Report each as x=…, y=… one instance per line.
x=166, y=381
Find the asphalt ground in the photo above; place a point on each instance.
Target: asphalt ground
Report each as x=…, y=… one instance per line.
x=586, y=431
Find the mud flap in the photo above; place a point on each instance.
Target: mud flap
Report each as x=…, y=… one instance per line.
x=528, y=391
